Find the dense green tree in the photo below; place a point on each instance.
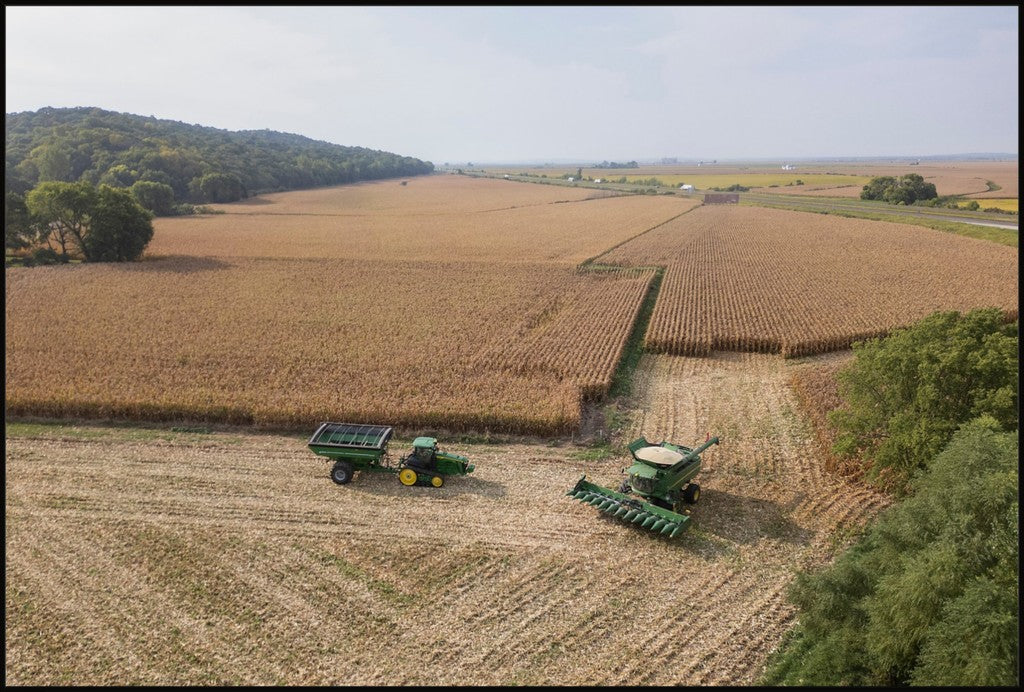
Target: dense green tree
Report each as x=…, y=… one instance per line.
x=104, y=225
x=906, y=189
x=905, y=395
x=156, y=197
x=53, y=161
x=218, y=187
x=929, y=595
x=64, y=209
x=119, y=175
x=119, y=227
x=18, y=228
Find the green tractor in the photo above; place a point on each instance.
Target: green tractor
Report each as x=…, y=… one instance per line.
x=357, y=447
x=657, y=490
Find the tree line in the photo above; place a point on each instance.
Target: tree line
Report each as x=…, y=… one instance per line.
x=198, y=164
x=929, y=594
x=86, y=183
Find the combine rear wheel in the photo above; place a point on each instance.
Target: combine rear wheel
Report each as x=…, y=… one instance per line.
x=342, y=472
x=692, y=493
x=407, y=476
x=437, y=481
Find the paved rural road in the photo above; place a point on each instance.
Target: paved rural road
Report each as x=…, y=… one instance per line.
x=975, y=218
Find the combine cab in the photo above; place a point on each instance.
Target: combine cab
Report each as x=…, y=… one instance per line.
x=657, y=491
x=355, y=447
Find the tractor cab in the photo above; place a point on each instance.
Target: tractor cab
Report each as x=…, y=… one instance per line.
x=424, y=453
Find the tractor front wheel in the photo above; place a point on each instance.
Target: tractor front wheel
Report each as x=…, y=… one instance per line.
x=407, y=476
x=342, y=472
x=692, y=493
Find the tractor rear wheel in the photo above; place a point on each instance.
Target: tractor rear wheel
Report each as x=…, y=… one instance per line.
x=407, y=476
x=437, y=481
x=342, y=472
x=692, y=493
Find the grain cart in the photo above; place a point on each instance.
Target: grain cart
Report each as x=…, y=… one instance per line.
x=354, y=447
x=657, y=490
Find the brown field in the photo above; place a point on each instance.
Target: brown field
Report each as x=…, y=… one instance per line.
x=152, y=557
x=283, y=342
x=448, y=303
x=433, y=218
x=379, y=305
x=752, y=279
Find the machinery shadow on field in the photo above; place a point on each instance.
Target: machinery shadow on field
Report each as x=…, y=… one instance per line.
x=386, y=484
x=741, y=519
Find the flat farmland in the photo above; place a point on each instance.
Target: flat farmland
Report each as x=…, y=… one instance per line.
x=832, y=179
x=752, y=279
x=286, y=342
x=477, y=318
x=159, y=556
x=151, y=557
x=434, y=218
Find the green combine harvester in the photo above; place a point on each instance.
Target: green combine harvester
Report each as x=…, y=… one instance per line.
x=355, y=447
x=657, y=490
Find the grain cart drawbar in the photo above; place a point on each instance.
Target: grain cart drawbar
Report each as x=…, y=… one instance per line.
x=355, y=447
x=657, y=490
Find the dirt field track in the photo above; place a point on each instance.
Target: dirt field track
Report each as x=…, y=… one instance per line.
x=155, y=557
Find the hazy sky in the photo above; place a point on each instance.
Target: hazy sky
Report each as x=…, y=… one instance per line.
x=511, y=84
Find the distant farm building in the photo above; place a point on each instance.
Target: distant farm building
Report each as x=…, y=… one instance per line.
x=721, y=198
x=789, y=167
x=687, y=187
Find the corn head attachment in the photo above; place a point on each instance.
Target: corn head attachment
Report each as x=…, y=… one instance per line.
x=657, y=490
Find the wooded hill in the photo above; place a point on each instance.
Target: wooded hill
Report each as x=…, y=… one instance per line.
x=120, y=149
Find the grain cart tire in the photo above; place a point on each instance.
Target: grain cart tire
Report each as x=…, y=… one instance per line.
x=437, y=481
x=692, y=493
x=342, y=472
x=407, y=476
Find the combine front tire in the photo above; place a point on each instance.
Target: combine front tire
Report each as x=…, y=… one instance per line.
x=407, y=476
x=692, y=493
x=342, y=472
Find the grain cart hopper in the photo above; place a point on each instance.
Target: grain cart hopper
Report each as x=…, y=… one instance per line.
x=354, y=447
x=655, y=493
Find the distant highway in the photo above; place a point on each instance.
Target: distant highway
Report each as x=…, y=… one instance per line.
x=978, y=218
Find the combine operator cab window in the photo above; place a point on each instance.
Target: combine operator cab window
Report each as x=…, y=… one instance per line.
x=644, y=485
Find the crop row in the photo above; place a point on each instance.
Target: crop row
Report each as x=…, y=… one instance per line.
x=286, y=343
x=764, y=280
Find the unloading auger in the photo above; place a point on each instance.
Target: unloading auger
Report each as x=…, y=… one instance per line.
x=657, y=489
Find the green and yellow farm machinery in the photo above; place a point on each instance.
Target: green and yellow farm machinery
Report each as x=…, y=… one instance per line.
x=355, y=447
x=657, y=490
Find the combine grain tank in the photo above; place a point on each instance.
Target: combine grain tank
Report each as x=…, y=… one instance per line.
x=657, y=491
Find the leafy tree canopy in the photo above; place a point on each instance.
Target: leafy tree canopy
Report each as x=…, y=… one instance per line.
x=906, y=394
x=906, y=189
x=929, y=595
x=100, y=225
x=118, y=149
